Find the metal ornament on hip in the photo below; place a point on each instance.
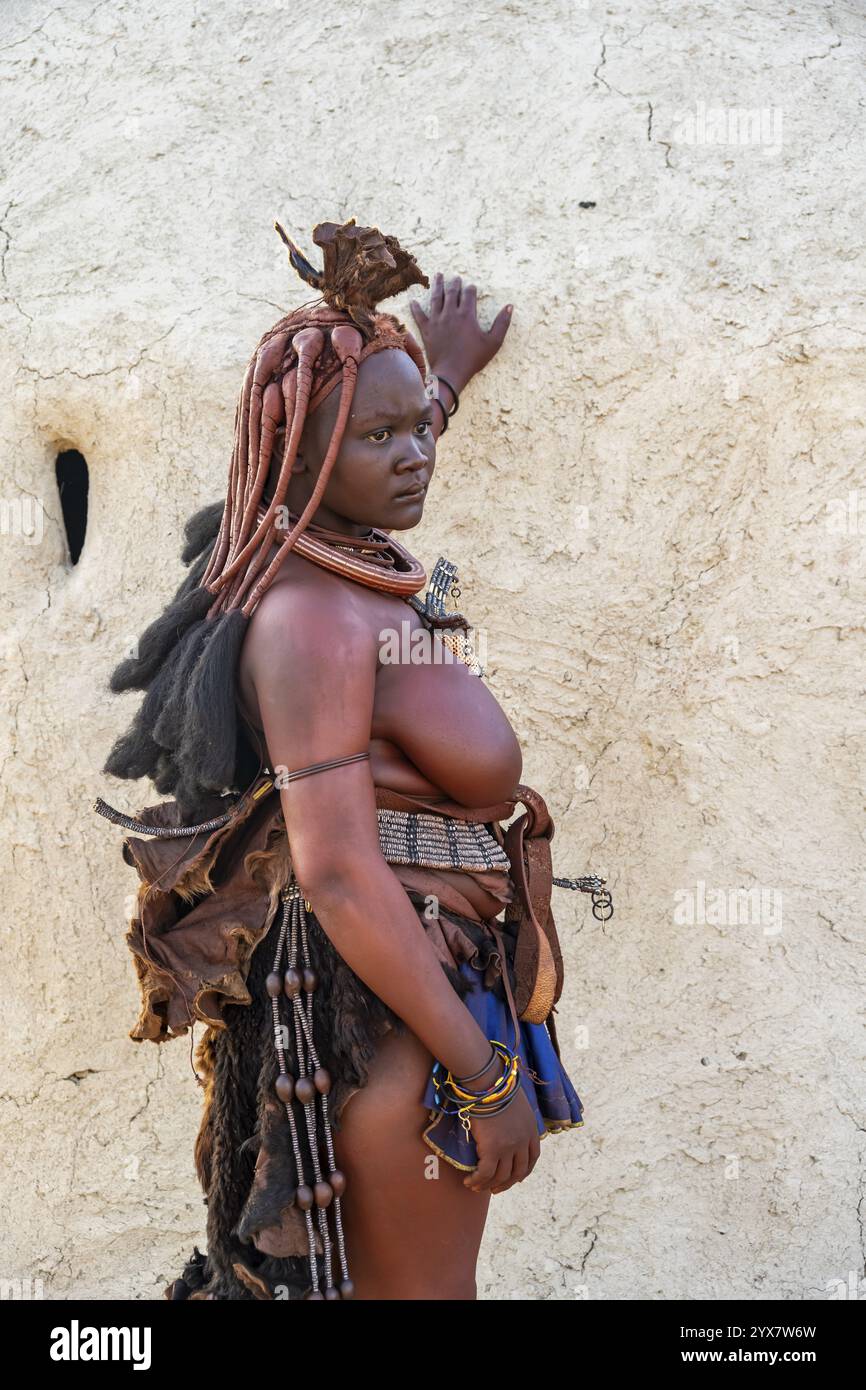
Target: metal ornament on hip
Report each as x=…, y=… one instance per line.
x=602, y=902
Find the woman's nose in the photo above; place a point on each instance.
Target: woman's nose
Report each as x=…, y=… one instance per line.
x=412, y=456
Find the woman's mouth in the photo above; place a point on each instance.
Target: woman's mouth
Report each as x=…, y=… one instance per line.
x=411, y=493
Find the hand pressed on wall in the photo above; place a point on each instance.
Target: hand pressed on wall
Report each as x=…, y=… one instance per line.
x=457, y=346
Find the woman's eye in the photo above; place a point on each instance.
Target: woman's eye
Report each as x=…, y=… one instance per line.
x=379, y=436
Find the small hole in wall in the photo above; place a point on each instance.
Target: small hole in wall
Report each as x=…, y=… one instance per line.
x=72, y=484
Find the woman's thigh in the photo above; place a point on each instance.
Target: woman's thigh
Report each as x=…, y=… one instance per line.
x=412, y=1229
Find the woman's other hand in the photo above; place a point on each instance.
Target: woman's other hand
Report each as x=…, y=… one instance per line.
x=508, y=1144
x=456, y=345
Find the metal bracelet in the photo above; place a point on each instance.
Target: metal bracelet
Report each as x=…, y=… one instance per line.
x=453, y=392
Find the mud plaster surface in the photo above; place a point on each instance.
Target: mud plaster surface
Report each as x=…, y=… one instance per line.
x=639, y=494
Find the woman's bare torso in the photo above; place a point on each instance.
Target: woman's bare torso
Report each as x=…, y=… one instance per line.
x=437, y=731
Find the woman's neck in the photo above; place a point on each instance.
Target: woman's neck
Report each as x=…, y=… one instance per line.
x=324, y=516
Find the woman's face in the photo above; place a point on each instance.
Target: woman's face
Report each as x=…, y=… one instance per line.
x=387, y=455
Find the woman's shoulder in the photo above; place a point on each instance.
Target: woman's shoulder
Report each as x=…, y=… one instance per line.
x=309, y=614
x=300, y=587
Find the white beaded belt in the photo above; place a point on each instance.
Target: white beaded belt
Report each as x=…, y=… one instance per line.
x=438, y=842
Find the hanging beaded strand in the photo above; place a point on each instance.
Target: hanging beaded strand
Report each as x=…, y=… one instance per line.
x=336, y=1178
x=313, y=1080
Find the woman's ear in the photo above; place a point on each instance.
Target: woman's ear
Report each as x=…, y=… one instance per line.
x=279, y=448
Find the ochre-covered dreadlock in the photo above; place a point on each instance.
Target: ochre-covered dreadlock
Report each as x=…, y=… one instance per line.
x=186, y=736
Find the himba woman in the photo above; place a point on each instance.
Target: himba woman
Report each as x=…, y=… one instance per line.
x=324, y=891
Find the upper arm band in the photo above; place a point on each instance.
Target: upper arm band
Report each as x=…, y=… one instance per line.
x=322, y=767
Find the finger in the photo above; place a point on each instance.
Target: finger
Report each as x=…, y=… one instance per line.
x=481, y=1176
x=467, y=298
x=534, y=1150
x=502, y=1177
x=418, y=314
x=437, y=294
x=499, y=327
x=522, y=1165
x=521, y=1169
x=453, y=293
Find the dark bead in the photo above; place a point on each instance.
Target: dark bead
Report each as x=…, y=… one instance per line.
x=311, y=979
x=332, y=1294
x=305, y=1090
x=304, y=1197
x=322, y=1080
x=324, y=1194
x=274, y=985
x=337, y=1179
x=285, y=1087
x=317, y=1293
x=347, y=1288
x=292, y=982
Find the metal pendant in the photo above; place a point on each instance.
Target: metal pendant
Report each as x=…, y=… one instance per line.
x=442, y=587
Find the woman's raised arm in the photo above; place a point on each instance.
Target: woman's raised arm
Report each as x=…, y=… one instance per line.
x=456, y=345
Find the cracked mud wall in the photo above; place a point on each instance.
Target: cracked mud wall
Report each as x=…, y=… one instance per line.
x=655, y=496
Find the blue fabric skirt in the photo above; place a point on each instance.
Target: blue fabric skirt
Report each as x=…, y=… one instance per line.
x=544, y=1079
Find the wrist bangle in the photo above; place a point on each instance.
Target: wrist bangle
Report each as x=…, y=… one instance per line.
x=444, y=413
x=475, y=1075
x=453, y=392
